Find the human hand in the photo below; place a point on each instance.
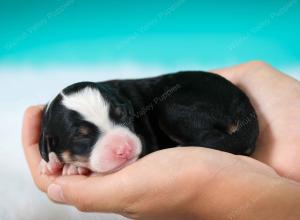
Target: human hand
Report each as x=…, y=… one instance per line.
x=191, y=182
x=178, y=183
x=276, y=99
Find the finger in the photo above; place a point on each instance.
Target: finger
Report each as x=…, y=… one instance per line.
x=240, y=68
x=232, y=73
x=31, y=125
x=93, y=193
x=33, y=159
x=30, y=138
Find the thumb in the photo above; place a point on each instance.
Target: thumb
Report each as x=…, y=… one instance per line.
x=90, y=194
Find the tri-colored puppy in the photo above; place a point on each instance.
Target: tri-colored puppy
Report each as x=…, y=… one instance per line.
x=105, y=126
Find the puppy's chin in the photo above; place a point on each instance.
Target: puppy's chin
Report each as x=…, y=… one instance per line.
x=111, y=166
x=101, y=170
x=114, y=150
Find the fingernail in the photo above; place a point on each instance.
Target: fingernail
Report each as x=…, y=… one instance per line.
x=55, y=193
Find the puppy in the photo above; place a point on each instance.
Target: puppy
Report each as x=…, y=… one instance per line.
x=105, y=126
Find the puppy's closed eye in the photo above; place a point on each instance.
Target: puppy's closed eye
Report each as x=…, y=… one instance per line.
x=85, y=132
x=82, y=139
x=85, y=129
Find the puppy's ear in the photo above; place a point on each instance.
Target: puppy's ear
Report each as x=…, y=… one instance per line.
x=46, y=145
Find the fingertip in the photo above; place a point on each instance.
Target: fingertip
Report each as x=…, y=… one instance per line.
x=31, y=125
x=31, y=110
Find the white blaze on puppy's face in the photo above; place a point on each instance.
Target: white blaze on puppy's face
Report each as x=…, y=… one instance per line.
x=116, y=146
x=91, y=105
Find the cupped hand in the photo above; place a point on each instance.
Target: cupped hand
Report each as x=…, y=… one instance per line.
x=168, y=184
x=188, y=183
x=276, y=99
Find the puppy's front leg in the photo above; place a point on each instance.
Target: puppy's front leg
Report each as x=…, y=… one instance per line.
x=71, y=169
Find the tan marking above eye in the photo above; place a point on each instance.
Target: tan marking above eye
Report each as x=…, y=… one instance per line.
x=84, y=130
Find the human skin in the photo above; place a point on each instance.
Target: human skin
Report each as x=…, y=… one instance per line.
x=276, y=99
x=193, y=182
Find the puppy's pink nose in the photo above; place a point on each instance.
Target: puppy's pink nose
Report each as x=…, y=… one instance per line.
x=124, y=151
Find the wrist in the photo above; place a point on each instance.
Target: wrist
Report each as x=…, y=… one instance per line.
x=280, y=201
x=264, y=198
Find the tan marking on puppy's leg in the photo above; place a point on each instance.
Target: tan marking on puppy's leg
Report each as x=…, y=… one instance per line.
x=233, y=128
x=67, y=157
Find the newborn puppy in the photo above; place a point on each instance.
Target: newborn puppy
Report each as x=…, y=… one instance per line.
x=105, y=126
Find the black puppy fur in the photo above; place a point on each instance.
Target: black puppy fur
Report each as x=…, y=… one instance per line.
x=190, y=108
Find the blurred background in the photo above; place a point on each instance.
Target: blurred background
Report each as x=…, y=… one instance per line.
x=47, y=45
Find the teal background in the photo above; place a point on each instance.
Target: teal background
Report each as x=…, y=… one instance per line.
x=46, y=45
x=165, y=33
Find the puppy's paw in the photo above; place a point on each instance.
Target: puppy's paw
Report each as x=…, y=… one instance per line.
x=70, y=169
x=44, y=168
x=54, y=166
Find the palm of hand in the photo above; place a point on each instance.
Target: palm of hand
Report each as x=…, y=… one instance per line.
x=276, y=98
